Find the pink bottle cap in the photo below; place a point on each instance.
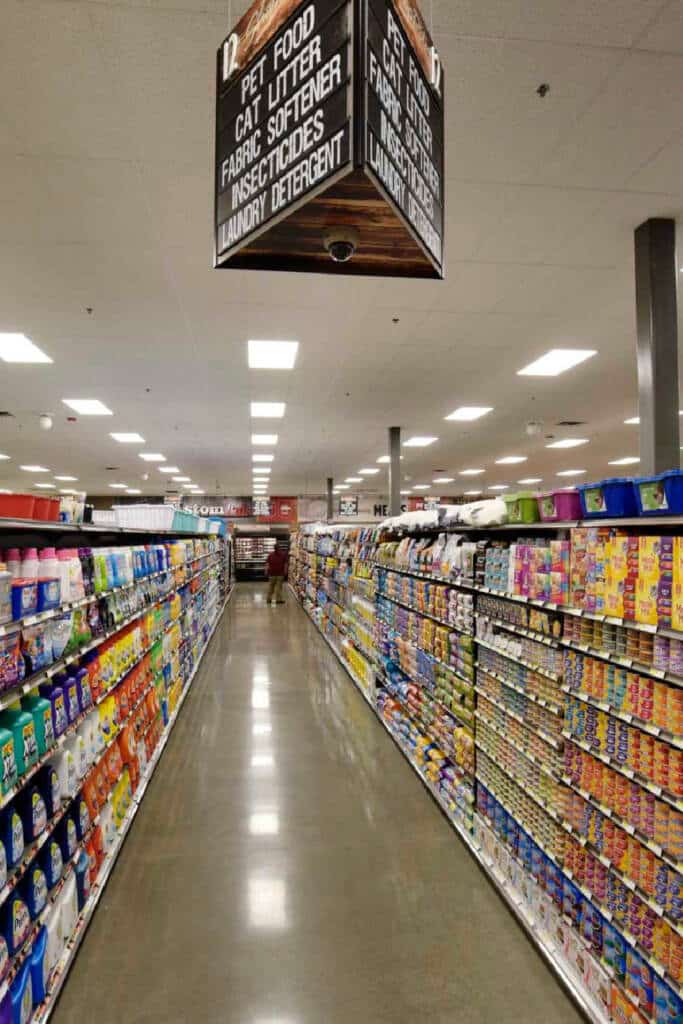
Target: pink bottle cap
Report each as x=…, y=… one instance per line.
x=13, y=555
x=47, y=553
x=30, y=553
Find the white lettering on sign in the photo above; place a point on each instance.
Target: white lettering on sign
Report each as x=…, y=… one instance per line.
x=437, y=71
x=294, y=37
x=243, y=222
x=307, y=174
x=230, y=48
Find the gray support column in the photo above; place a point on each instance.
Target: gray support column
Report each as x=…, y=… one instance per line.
x=330, y=498
x=655, y=245
x=394, y=471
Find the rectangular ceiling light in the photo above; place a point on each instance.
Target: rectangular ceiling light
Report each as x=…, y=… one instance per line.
x=34, y=469
x=152, y=456
x=421, y=487
x=133, y=490
x=406, y=492
x=343, y=487
x=419, y=442
x=17, y=348
x=472, y=472
x=169, y=469
x=511, y=460
x=633, y=422
x=384, y=460
x=46, y=487
x=263, y=458
x=628, y=460
x=119, y=487
x=264, y=439
x=472, y=494
x=531, y=480
x=572, y=472
x=128, y=438
x=272, y=355
x=354, y=480
x=180, y=479
x=368, y=472
x=267, y=410
x=4, y=457
x=467, y=413
x=261, y=470
x=557, y=361
x=67, y=479
x=443, y=480
x=568, y=442
x=499, y=487
x=87, y=406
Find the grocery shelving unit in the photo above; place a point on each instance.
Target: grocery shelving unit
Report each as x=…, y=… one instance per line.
x=588, y=867
x=187, y=601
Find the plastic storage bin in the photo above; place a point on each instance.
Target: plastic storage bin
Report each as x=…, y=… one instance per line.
x=522, y=507
x=41, y=509
x=660, y=495
x=17, y=506
x=614, y=497
x=559, y=506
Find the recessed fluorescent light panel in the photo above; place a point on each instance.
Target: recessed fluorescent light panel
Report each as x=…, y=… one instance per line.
x=128, y=438
x=119, y=487
x=368, y=472
x=406, y=492
x=572, y=472
x=568, y=442
x=499, y=487
x=419, y=442
x=557, y=361
x=354, y=480
x=152, y=456
x=267, y=410
x=262, y=458
x=384, y=460
x=67, y=479
x=87, y=406
x=34, y=469
x=467, y=413
x=47, y=487
x=133, y=490
x=628, y=460
x=443, y=480
x=531, y=480
x=343, y=487
x=633, y=422
x=272, y=355
x=17, y=348
x=4, y=457
x=264, y=439
x=261, y=471
x=511, y=460
x=472, y=494
x=180, y=479
x=421, y=487
x=169, y=469
x=472, y=472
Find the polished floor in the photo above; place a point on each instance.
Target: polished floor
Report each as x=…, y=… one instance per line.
x=287, y=867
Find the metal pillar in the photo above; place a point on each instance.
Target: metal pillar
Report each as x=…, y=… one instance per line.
x=394, y=471
x=655, y=250
x=330, y=499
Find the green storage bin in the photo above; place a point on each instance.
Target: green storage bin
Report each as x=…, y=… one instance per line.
x=21, y=725
x=522, y=507
x=10, y=774
x=41, y=710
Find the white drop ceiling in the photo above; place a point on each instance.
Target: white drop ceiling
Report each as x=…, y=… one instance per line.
x=106, y=148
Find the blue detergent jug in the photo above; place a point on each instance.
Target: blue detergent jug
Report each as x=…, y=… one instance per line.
x=67, y=837
x=34, y=890
x=12, y=836
x=21, y=992
x=39, y=973
x=16, y=922
x=33, y=811
x=82, y=871
x=6, y=1009
x=52, y=862
x=81, y=817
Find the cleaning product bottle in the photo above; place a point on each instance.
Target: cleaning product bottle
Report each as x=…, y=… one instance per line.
x=12, y=830
x=81, y=817
x=83, y=688
x=48, y=783
x=4, y=970
x=31, y=807
x=39, y=971
x=82, y=872
x=29, y=564
x=21, y=994
x=34, y=890
x=55, y=942
x=49, y=565
x=10, y=773
x=20, y=724
x=52, y=862
x=54, y=693
x=5, y=594
x=70, y=687
x=67, y=837
x=87, y=570
x=16, y=922
x=68, y=902
x=41, y=710
x=65, y=766
x=76, y=745
x=13, y=563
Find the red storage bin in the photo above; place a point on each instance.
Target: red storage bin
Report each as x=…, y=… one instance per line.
x=53, y=517
x=16, y=506
x=41, y=508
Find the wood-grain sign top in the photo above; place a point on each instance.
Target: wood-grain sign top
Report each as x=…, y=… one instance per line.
x=330, y=129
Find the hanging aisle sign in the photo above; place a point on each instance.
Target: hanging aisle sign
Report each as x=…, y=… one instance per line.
x=348, y=507
x=330, y=140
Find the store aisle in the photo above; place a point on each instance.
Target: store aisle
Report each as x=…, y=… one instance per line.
x=287, y=867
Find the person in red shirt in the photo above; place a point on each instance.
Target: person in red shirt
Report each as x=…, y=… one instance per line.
x=276, y=569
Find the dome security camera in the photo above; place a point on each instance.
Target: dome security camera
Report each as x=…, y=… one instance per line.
x=45, y=422
x=533, y=428
x=341, y=243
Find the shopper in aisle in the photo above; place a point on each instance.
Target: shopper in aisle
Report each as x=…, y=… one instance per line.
x=276, y=568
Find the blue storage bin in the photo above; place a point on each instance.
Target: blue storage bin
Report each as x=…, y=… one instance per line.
x=660, y=495
x=614, y=497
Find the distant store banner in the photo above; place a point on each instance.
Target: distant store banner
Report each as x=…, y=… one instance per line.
x=265, y=510
x=330, y=122
x=348, y=507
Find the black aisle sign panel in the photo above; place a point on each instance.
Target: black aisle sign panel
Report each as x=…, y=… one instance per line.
x=404, y=126
x=330, y=118
x=284, y=125
x=348, y=507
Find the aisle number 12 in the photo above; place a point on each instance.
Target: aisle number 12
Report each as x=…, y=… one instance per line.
x=436, y=71
x=230, y=49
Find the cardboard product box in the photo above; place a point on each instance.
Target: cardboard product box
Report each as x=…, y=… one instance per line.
x=646, y=601
x=578, y=567
x=575, y=953
x=598, y=983
x=622, y=1009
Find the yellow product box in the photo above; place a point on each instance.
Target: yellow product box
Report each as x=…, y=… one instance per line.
x=616, y=571
x=677, y=588
x=646, y=602
x=648, y=559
